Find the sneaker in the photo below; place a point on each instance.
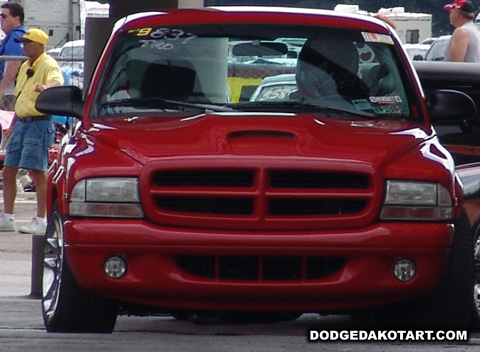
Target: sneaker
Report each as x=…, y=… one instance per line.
x=37, y=226
x=7, y=224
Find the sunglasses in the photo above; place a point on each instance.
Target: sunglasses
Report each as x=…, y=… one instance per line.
x=3, y=16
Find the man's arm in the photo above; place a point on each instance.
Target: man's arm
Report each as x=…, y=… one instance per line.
x=8, y=132
x=386, y=20
x=11, y=70
x=459, y=44
x=41, y=87
x=54, y=78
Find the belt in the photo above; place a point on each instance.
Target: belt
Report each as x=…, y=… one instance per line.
x=33, y=118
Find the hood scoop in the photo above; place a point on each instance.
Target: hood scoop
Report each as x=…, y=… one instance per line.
x=262, y=141
x=262, y=134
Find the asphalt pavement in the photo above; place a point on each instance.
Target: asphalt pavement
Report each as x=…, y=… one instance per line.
x=16, y=266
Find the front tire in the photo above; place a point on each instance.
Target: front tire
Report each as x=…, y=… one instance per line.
x=476, y=286
x=450, y=305
x=65, y=306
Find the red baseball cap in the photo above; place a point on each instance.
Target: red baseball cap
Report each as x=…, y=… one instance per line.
x=461, y=5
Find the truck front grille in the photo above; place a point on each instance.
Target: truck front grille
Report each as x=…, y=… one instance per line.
x=317, y=179
x=260, y=269
x=257, y=197
x=207, y=205
x=204, y=178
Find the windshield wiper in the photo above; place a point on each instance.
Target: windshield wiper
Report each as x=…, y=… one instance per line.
x=296, y=106
x=161, y=103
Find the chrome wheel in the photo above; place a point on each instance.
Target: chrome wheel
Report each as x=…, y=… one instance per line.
x=476, y=287
x=52, y=265
x=66, y=307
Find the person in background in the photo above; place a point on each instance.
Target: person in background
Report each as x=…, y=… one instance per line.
x=31, y=132
x=464, y=44
x=11, y=19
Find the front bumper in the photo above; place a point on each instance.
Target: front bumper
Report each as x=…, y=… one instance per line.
x=154, y=276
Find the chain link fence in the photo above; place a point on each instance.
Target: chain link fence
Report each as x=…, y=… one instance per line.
x=72, y=72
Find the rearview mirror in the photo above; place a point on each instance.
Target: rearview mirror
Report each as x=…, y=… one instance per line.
x=262, y=48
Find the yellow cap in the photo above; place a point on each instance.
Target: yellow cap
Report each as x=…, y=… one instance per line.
x=33, y=35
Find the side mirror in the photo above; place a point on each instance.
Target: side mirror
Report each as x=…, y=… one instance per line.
x=451, y=105
x=63, y=101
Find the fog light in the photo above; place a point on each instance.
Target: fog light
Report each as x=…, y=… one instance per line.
x=404, y=269
x=115, y=267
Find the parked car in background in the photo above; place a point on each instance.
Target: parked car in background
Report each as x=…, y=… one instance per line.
x=417, y=51
x=276, y=88
x=181, y=191
x=437, y=49
x=73, y=50
x=54, y=52
x=71, y=61
x=70, y=58
x=428, y=40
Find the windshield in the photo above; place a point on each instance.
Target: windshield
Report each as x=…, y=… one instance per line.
x=254, y=67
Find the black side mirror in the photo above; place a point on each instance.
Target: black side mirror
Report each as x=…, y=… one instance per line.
x=63, y=101
x=451, y=105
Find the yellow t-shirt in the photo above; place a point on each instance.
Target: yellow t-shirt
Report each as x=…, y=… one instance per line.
x=44, y=70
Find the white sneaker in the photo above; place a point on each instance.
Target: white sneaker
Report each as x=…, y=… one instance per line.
x=37, y=226
x=7, y=224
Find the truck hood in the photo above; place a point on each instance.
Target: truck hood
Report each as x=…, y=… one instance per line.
x=285, y=135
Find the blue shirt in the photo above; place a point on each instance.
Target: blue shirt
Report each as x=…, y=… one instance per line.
x=10, y=47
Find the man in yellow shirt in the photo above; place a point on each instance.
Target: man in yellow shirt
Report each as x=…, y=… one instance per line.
x=31, y=132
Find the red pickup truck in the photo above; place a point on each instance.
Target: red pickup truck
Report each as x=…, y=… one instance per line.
x=178, y=190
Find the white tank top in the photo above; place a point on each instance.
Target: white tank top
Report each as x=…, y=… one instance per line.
x=473, y=49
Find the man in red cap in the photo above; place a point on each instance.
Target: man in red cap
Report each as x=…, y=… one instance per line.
x=465, y=41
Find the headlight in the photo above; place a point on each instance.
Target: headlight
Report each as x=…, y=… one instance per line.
x=409, y=200
x=106, y=197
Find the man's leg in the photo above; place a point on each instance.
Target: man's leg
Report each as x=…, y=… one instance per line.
x=7, y=221
x=9, y=188
x=40, y=179
x=38, y=225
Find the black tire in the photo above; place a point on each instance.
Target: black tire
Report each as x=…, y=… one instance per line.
x=181, y=315
x=476, y=287
x=450, y=305
x=65, y=306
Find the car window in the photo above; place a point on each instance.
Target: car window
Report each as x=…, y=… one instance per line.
x=437, y=49
x=262, y=68
x=73, y=52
